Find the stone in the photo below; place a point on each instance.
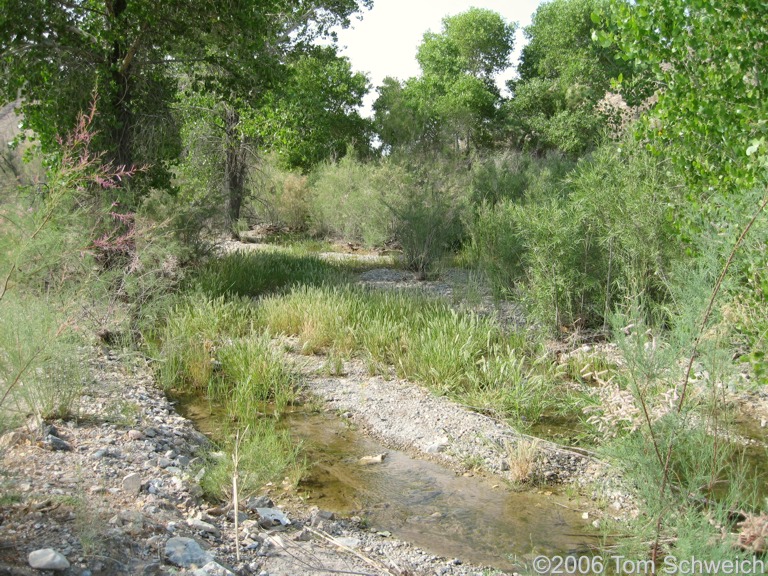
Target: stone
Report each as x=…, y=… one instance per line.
x=368, y=460
x=213, y=569
x=186, y=552
x=241, y=516
x=438, y=446
x=347, y=542
x=203, y=526
x=271, y=516
x=258, y=502
x=52, y=442
x=47, y=559
x=150, y=432
x=132, y=483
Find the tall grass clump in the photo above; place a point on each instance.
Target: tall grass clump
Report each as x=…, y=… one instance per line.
x=349, y=199
x=457, y=354
x=194, y=328
x=249, y=376
x=265, y=455
x=208, y=346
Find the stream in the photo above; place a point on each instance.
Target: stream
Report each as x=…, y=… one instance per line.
x=473, y=518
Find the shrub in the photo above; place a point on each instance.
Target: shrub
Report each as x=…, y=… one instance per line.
x=41, y=360
x=576, y=257
x=349, y=199
x=427, y=226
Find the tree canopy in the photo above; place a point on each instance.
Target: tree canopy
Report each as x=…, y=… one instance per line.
x=55, y=55
x=707, y=60
x=455, y=99
x=312, y=115
x=563, y=73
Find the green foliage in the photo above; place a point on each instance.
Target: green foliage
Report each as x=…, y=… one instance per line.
x=54, y=55
x=266, y=455
x=707, y=60
x=454, y=102
x=562, y=76
x=249, y=375
x=250, y=274
x=459, y=354
x=349, y=199
x=311, y=117
x=193, y=329
x=41, y=360
x=575, y=258
x=428, y=225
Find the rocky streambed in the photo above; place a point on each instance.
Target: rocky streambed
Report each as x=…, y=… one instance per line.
x=116, y=492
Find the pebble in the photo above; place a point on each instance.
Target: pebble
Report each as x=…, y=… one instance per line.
x=47, y=559
x=132, y=483
x=202, y=526
x=185, y=552
x=213, y=569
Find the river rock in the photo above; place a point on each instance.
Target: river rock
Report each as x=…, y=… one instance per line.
x=185, y=552
x=47, y=559
x=52, y=442
x=271, y=516
x=258, y=502
x=132, y=483
x=347, y=542
x=213, y=569
x=368, y=460
x=438, y=446
x=202, y=526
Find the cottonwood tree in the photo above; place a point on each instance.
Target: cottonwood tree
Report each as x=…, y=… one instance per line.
x=312, y=115
x=56, y=54
x=455, y=100
x=562, y=75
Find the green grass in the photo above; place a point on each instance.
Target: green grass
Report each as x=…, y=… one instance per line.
x=266, y=455
x=208, y=346
x=255, y=273
x=462, y=355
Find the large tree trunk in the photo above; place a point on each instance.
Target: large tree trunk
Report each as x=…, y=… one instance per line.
x=119, y=113
x=234, y=167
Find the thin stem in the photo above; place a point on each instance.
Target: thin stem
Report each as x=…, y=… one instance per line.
x=694, y=351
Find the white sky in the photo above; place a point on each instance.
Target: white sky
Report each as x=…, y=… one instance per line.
x=384, y=43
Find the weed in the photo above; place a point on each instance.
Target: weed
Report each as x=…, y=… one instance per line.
x=265, y=455
x=460, y=354
x=521, y=456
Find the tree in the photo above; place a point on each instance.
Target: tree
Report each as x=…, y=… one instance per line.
x=54, y=54
x=312, y=116
x=563, y=73
x=707, y=60
x=455, y=100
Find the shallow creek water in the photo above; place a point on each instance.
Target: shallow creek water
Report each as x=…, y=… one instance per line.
x=473, y=518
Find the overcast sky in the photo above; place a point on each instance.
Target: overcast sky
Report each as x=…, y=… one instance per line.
x=384, y=43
